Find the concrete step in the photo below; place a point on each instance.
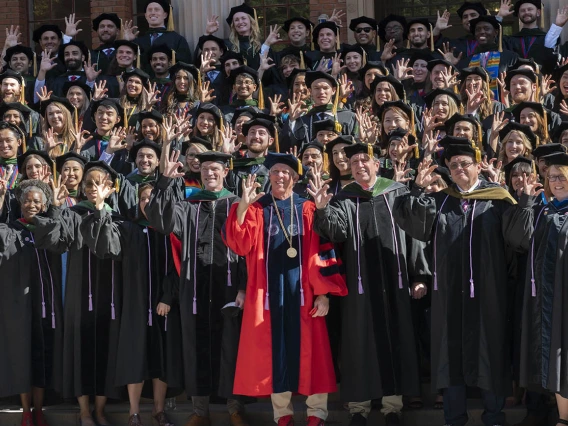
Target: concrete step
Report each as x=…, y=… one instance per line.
x=259, y=414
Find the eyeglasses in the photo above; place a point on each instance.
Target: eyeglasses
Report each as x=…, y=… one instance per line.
x=463, y=165
x=364, y=29
x=244, y=83
x=554, y=178
x=276, y=172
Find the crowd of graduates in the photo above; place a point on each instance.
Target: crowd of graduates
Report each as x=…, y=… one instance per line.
x=238, y=220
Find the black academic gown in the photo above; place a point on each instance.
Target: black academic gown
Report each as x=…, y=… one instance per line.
x=92, y=150
x=529, y=43
x=56, y=84
x=211, y=276
x=31, y=320
x=100, y=58
x=171, y=39
x=378, y=354
x=149, y=345
x=93, y=304
x=470, y=339
x=242, y=168
x=251, y=56
x=541, y=230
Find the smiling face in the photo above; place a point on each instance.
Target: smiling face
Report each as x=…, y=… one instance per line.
x=12, y=116
x=73, y=58
x=19, y=62
x=32, y=203
x=155, y=15
x=529, y=117
x=559, y=187
x=191, y=160
x=467, y=16
x=522, y=89
x=9, y=143
x=76, y=96
x=150, y=129
x=105, y=119
x=393, y=119
x=55, y=117
x=300, y=87
x=230, y=65
x=322, y=92
x=160, y=63
x=134, y=86
x=383, y=93
x=441, y=107
x=242, y=119
x=563, y=84
x=394, y=30
x=364, y=169
x=365, y=34
x=10, y=90
x=95, y=177
x=464, y=129
x=370, y=76
x=182, y=81
x=312, y=157
x=146, y=161
x=289, y=66
x=258, y=140
x=242, y=23
x=393, y=149
x=436, y=78
x=213, y=175
x=206, y=123
x=517, y=180
x=473, y=83
x=485, y=33
x=353, y=61
x=211, y=47
x=340, y=160
x=107, y=32
x=420, y=70
x=282, y=180
x=298, y=33
x=514, y=146
x=326, y=40
x=529, y=13
x=73, y=171
x=324, y=136
x=34, y=167
x=125, y=56
x=244, y=87
x=145, y=196
x=49, y=40
x=418, y=35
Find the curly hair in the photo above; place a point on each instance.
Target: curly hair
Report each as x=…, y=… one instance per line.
x=30, y=185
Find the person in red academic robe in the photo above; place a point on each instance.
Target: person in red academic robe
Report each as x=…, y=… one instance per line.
x=284, y=346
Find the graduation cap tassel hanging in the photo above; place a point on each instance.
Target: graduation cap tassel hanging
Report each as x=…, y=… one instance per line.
x=364, y=58
x=116, y=185
x=312, y=37
x=121, y=30
x=76, y=120
x=370, y=150
x=542, y=15
x=533, y=163
x=54, y=171
x=378, y=40
x=337, y=125
x=500, y=38
x=35, y=65
x=23, y=92
x=416, y=151
x=138, y=58
x=300, y=168
x=337, y=40
x=276, y=140
x=431, y=38
x=545, y=126
x=302, y=61
x=31, y=128
x=173, y=57
x=231, y=163
x=260, y=95
x=170, y=26
x=479, y=135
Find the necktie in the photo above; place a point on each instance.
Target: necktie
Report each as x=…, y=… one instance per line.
x=465, y=205
x=154, y=36
x=108, y=51
x=73, y=78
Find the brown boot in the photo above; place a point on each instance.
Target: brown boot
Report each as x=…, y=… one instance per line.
x=162, y=419
x=238, y=419
x=196, y=420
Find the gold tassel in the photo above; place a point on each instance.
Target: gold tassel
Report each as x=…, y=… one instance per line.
x=477, y=155
x=541, y=15
x=407, y=44
x=545, y=125
x=125, y=118
x=222, y=125
x=537, y=91
x=121, y=30
x=23, y=91
x=337, y=127
x=24, y=145
x=198, y=80
x=364, y=58
x=116, y=185
x=500, y=38
x=35, y=65
x=54, y=171
x=260, y=95
x=312, y=37
x=537, y=141
x=76, y=119
x=487, y=85
x=138, y=58
x=370, y=150
x=431, y=38
x=231, y=163
x=30, y=124
x=479, y=135
x=378, y=42
x=302, y=61
x=300, y=168
x=276, y=141
x=416, y=151
x=170, y=26
x=534, y=167
x=337, y=40
x=461, y=109
x=173, y=57
x=412, y=129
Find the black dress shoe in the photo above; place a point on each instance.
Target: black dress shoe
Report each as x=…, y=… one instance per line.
x=358, y=420
x=392, y=419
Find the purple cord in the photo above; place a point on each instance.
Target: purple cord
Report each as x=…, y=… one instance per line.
x=113, y=316
x=300, y=253
x=360, y=284
x=266, y=304
x=195, y=261
x=533, y=285
x=149, y=278
x=471, y=284
x=436, y=239
x=90, y=286
x=52, y=290
x=229, y=281
x=395, y=243
x=43, y=315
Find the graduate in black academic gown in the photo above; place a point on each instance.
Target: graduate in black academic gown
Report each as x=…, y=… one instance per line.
x=378, y=355
x=93, y=298
x=212, y=276
x=13, y=59
x=31, y=320
x=465, y=222
x=107, y=27
x=149, y=342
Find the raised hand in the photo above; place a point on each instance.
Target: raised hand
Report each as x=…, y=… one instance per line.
x=228, y=139
x=51, y=141
x=60, y=192
x=3, y=186
x=430, y=143
x=442, y=23
x=80, y=137
x=212, y=25
x=531, y=185
x=205, y=94
x=266, y=63
x=170, y=129
x=47, y=61
x=503, y=87
x=294, y=151
x=474, y=100
x=563, y=108
x=346, y=87
x=450, y=79
x=173, y=167
x=130, y=138
x=425, y=176
x=546, y=85
x=323, y=65
x=100, y=91
x=402, y=71
x=492, y=171
x=250, y=185
x=43, y=94
x=401, y=172
x=116, y=141
x=562, y=16
x=336, y=16
x=368, y=129
x=448, y=54
x=336, y=66
x=207, y=63
x=276, y=106
x=318, y=191
x=389, y=51
x=499, y=123
x=296, y=107
x=103, y=192
x=505, y=9
x=71, y=26
x=91, y=70
x=130, y=31
x=152, y=94
x=403, y=149
x=12, y=36
x=273, y=35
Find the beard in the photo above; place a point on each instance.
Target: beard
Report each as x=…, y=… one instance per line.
x=528, y=19
x=73, y=64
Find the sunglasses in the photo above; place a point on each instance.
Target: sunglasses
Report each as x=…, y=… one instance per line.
x=365, y=29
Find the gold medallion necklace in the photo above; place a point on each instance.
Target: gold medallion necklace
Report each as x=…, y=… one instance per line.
x=291, y=252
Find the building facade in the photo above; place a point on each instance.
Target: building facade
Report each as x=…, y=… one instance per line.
x=191, y=15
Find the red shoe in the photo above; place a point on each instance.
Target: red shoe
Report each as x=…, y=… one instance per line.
x=39, y=418
x=315, y=421
x=27, y=419
x=286, y=421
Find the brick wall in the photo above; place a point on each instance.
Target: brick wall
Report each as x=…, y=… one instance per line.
x=14, y=12
x=319, y=7
x=123, y=8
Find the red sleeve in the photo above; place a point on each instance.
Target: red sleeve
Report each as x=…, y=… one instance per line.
x=242, y=238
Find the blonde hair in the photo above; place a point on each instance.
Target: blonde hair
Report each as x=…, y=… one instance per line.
x=142, y=103
x=526, y=144
x=563, y=171
x=486, y=108
x=255, y=40
x=66, y=136
x=452, y=105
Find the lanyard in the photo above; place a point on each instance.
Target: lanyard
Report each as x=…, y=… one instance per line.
x=524, y=48
x=471, y=46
